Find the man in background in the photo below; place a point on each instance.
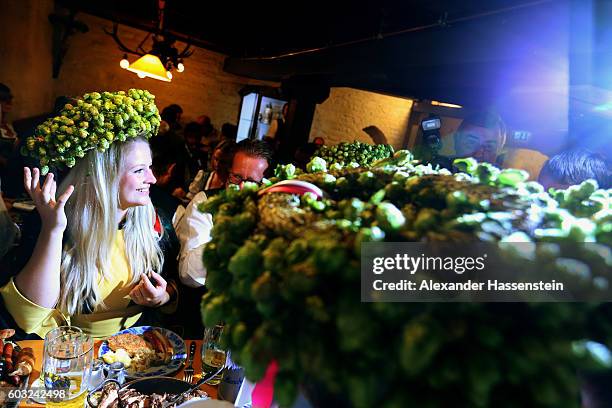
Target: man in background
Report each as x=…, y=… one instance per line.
x=8, y=136
x=481, y=136
x=278, y=137
x=250, y=160
x=575, y=166
x=171, y=114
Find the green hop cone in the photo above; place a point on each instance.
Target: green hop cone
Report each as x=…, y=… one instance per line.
x=240, y=334
x=94, y=114
x=512, y=177
x=467, y=165
x=315, y=165
x=389, y=217
x=371, y=234
x=246, y=260
x=213, y=310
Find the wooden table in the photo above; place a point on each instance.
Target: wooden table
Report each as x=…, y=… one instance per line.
x=37, y=346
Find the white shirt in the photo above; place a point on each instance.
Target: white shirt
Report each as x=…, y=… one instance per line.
x=193, y=231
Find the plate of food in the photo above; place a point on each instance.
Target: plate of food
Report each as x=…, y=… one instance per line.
x=144, y=392
x=145, y=351
x=16, y=365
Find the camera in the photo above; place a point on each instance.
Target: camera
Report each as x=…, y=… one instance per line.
x=432, y=142
x=431, y=133
x=431, y=124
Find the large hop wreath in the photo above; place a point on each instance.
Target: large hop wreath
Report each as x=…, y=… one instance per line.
x=93, y=122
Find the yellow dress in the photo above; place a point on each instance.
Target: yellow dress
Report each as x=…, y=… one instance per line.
x=103, y=322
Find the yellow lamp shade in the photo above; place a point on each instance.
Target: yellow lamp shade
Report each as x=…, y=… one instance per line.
x=149, y=66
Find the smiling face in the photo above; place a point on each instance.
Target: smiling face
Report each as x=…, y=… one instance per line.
x=136, y=176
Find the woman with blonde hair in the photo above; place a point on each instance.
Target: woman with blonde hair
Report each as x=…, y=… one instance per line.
x=98, y=260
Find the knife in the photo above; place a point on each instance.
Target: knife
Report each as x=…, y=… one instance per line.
x=192, y=349
x=197, y=385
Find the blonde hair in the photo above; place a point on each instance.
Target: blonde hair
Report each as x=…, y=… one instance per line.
x=94, y=209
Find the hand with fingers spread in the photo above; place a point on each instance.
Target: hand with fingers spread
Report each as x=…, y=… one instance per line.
x=146, y=293
x=51, y=211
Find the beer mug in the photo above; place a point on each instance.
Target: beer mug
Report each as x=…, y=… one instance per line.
x=67, y=362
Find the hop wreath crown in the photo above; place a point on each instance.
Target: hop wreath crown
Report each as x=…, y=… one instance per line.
x=93, y=122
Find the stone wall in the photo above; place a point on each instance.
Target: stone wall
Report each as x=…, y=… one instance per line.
x=347, y=111
x=25, y=55
x=92, y=63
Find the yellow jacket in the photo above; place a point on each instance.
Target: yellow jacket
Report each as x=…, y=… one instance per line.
x=103, y=322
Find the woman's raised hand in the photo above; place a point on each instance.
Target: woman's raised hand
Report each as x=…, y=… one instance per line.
x=51, y=211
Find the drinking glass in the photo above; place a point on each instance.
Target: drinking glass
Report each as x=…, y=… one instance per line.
x=213, y=356
x=67, y=362
x=56, y=332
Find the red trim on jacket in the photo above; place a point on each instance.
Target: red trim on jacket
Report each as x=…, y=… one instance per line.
x=158, y=225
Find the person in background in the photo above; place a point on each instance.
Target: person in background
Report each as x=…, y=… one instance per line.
x=526, y=159
x=164, y=127
x=8, y=230
x=162, y=194
x=481, y=136
x=229, y=132
x=220, y=163
x=304, y=154
x=193, y=136
x=208, y=130
x=277, y=127
x=575, y=166
x=168, y=174
x=8, y=136
x=104, y=271
x=209, y=137
x=249, y=162
x=277, y=138
x=171, y=114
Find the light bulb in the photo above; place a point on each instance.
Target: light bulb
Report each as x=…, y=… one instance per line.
x=180, y=67
x=141, y=76
x=169, y=75
x=124, y=62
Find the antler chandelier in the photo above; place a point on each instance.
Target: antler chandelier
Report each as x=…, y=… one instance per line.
x=159, y=61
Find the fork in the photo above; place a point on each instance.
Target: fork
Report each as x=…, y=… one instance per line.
x=205, y=378
x=188, y=372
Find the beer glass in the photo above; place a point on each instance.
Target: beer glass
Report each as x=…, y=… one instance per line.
x=213, y=356
x=67, y=362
